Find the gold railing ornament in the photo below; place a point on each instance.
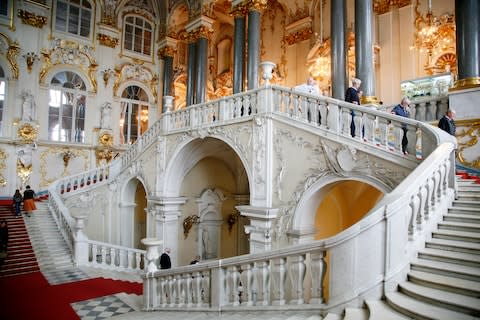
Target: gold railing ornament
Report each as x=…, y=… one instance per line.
x=188, y=223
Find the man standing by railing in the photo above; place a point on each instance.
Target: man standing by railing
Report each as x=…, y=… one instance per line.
x=447, y=123
x=402, y=110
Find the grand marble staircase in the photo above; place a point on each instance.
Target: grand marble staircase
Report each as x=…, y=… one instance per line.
x=444, y=280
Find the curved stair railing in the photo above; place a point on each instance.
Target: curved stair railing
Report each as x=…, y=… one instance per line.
x=279, y=277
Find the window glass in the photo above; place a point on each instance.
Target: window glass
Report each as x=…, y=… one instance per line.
x=138, y=35
x=67, y=106
x=74, y=17
x=134, y=114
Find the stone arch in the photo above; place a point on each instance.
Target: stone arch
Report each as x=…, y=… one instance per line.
x=132, y=212
x=188, y=153
x=305, y=213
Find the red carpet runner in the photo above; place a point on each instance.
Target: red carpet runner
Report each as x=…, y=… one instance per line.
x=21, y=258
x=26, y=294
x=29, y=296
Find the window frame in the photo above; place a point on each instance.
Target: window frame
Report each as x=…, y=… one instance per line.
x=66, y=33
x=7, y=20
x=63, y=92
x=125, y=138
x=131, y=52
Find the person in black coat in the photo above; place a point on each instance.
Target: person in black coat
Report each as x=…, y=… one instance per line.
x=165, y=262
x=447, y=123
x=352, y=96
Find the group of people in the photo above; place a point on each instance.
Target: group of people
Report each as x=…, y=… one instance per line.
x=28, y=200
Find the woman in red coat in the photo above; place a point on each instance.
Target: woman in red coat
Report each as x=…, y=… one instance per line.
x=28, y=201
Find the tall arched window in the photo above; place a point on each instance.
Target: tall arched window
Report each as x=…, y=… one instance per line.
x=138, y=35
x=74, y=17
x=66, y=112
x=134, y=114
x=2, y=97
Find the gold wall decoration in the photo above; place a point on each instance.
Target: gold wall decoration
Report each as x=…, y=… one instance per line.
x=72, y=53
x=299, y=36
x=105, y=139
x=138, y=72
x=3, y=158
x=52, y=158
x=27, y=133
x=31, y=19
x=12, y=53
x=106, y=40
x=103, y=156
x=188, y=223
x=468, y=139
x=166, y=51
x=30, y=58
x=24, y=171
x=384, y=6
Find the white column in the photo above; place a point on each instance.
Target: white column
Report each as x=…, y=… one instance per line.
x=260, y=228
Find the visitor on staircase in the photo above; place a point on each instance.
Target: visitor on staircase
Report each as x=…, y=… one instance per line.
x=28, y=201
x=17, y=200
x=3, y=240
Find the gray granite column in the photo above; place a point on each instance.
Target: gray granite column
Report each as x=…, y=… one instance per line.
x=467, y=19
x=238, y=53
x=167, y=75
x=365, y=70
x=191, y=73
x=201, y=75
x=253, y=47
x=339, y=51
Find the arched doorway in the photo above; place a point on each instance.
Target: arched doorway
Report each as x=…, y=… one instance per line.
x=133, y=219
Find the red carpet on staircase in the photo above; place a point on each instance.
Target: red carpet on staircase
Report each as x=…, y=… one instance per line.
x=26, y=294
x=21, y=257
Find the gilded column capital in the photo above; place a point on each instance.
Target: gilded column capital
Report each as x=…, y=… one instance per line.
x=166, y=52
x=239, y=10
x=256, y=5
x=167, y=47
x=199, y=28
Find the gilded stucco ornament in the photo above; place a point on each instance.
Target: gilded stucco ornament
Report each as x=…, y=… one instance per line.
x=103, y=156
x=106, y=40
x=105, y=139
x=32, y=19
x=27, y=133
x=3, y=158
x=137, y=71
x=468, y=145
x=12, y=53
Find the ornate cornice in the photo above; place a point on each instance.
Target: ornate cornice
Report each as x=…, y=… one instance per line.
x=106, y=40
x=31, y=19
x=166, y=52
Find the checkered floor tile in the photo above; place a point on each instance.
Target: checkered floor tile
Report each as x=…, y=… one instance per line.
x=100, y=308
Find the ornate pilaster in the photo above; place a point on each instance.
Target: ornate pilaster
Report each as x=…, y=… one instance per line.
x=338, y=50
x=261, y=226
x=167, y=211
x=364, y=49
x=166, y=51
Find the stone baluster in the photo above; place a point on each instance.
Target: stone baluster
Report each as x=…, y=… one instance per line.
x=197, y=288
x=278, y=274
x=422, y=196
x=318, y=269
x=432, y=111
x=346, y=121
x=262, y=275
x=296, y=272
x=187, y=289
x=205, y=288
x=323, y=115
x=180, y=293
x=333, y=118
x=81, y=244
x=232, y=283
x=357, y=119
x=246, y=277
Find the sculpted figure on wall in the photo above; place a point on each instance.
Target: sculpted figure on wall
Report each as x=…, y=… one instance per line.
x=106, y=117
x=28, y=106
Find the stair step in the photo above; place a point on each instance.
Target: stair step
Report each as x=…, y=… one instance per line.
x=464, y=210
x=453, y=245
x=355, y=314
x=380, y=310
x=446, y=269
x=422, y=310
x=450, y=300
x=462, y=218
x=456, y=235
x=462, y=258
x=456, y=285
x=332, y=316
x=461, y=226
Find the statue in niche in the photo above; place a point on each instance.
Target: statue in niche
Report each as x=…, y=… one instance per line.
x=28, y=106
x=106, y=116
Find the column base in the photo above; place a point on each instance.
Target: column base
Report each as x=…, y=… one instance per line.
x=467, y=83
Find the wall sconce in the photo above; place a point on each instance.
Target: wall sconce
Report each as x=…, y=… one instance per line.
x=231, y=220
x=144, y=115
x=106, y=74
x=66, y=156
x=188, y=223
x=30, y=58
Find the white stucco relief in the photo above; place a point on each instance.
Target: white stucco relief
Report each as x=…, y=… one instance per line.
x=259, y=146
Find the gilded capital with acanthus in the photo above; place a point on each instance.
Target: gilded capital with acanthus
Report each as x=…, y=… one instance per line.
x=166, y=52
